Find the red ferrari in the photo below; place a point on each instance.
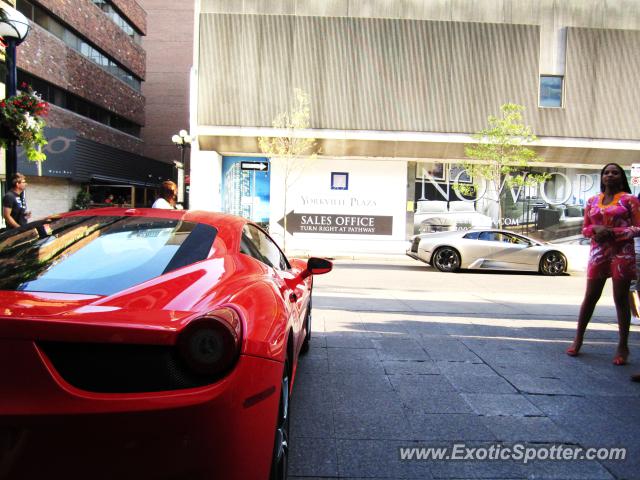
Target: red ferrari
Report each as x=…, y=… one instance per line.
x=143, y=344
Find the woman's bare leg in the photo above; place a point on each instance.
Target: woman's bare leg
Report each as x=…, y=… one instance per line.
x=621, y=298
x=591, y=297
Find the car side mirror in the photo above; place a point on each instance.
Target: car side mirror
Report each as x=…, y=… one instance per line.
x=319, y=266
x=315, y=266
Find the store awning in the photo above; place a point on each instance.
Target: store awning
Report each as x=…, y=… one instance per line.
x=416, y=145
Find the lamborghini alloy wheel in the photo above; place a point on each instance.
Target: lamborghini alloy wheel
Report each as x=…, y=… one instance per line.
x=553, y=263
x=446, y=259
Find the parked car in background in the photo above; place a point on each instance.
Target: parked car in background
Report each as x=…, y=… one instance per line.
x=495, y=250
x=148, y=344
x=577, y=251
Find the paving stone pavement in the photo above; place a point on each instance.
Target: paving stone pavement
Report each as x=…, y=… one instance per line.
x=404, y=356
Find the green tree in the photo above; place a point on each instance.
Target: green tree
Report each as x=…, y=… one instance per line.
x=501, y=157
x=293, y=149
x=82, y=200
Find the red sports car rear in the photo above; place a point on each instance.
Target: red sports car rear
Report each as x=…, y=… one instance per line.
x=148, y=344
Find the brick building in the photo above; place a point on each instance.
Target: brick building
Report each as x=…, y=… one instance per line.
x=85, y=57
x=168, y=44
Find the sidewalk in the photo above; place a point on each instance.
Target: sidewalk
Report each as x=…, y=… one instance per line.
x=351, y=256
x=401, y=357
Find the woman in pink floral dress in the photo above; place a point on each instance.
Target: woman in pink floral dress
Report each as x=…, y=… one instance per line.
x=611, y=220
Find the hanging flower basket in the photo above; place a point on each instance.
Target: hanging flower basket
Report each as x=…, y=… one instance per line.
x=21, y=120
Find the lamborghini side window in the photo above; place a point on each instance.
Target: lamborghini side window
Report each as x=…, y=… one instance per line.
x=472, y=235
x=490, y=236
x=517, y=240
x=257, y=244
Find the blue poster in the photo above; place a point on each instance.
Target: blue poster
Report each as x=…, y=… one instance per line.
x=245, y=187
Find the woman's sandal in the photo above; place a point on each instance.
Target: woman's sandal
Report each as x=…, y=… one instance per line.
x=619, y=360
x=573, y=351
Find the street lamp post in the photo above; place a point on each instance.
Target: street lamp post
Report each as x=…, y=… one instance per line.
x=14, y=27
x=183, y=141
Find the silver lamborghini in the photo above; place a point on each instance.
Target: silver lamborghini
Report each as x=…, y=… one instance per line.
x=495, y=250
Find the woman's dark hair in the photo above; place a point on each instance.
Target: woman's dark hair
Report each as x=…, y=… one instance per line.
x=168, y=190
x=623, y=176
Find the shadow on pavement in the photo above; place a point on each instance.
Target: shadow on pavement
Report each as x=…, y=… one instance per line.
x=426, y=267
x=446, y=307
x=375, y=382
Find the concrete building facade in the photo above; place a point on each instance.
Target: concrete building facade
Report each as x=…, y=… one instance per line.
x=397, y=88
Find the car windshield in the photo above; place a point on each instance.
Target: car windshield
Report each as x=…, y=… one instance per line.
x=98, y=255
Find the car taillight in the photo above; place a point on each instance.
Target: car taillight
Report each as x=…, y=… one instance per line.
x=210, y=345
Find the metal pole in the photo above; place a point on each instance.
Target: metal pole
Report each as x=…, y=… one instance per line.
x=11, y=90
x=528, y=209
x=184, y=177
x=253, y=197
x=186, y=164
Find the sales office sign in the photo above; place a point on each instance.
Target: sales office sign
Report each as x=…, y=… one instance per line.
x=338, y=223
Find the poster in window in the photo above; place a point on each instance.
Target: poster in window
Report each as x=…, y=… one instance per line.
x=457, y=173
x=431, y=170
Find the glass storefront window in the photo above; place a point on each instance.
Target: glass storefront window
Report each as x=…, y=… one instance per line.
x=552, y=211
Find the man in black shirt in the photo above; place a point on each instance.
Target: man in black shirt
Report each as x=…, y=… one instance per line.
x=14, y=205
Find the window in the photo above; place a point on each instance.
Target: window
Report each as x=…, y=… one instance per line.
x=457, y=173
x=472, y=235
x=98, y=255
x=119, y=20
x=490, y=236
x=74, y=42
x=551, y=91
x=501, y=237
x=514, y=239
x=339, y=181
x=42, y=18
x=258, y=245
x=69, y=101
x=430, y=170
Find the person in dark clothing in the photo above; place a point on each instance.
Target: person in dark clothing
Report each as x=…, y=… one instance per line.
x=14, y=205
